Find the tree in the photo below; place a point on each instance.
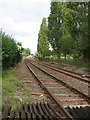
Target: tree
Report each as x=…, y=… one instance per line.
x=43, y=43
x=19, y=52
x=66, y=44
x=68, y=28
x=78, y=26
x=26, y=52
x=54, y=25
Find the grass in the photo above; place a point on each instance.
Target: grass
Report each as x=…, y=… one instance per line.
x=71, y=61
x=77, y=63
x=13, y=89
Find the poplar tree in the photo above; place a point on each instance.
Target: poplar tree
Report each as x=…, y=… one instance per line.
x=55, y=25
x=43, y=43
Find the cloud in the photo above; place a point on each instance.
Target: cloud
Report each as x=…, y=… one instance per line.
x=24, y=27
x=28, y=42
x=24, y=3
x=22, y=19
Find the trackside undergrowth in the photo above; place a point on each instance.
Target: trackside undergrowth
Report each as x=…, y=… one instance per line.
x=13, y=89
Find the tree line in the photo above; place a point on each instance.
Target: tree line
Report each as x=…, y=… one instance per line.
x=67, y=30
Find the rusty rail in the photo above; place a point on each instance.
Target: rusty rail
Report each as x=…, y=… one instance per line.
x=80, y=74
x=66, y=72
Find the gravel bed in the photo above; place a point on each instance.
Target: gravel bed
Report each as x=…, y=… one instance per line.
x=77, y=84
x=69, y=67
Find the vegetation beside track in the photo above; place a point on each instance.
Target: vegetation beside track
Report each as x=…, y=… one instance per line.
x=13, y=89
x=73, y=62
x=66, y=31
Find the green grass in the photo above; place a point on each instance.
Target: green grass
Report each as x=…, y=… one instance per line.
x=76, y=63
x=73, y=62
x=13, y=89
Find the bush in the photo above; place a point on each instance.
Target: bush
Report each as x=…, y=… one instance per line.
x=11, y=55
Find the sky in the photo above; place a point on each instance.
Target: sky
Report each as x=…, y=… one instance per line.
x=22, y=19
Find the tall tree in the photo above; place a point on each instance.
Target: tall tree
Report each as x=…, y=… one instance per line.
x=43, y=43
x=54, y=25
x=78, y=26
x=68, y=28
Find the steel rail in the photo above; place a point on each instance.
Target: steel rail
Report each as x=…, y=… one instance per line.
x=68, y=86
x=66, y=72
x=62, y=110
x=80, y=74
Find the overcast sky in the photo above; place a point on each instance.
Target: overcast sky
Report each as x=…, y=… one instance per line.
x=22, y=19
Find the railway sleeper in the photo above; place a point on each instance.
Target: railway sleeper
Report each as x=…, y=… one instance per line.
x=34, y=111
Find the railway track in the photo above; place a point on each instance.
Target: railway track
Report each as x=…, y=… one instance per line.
x=75, y=83
x=59, y=93
x=56, y=101
x=52, y=99
x=85, y=75
x=67, y=72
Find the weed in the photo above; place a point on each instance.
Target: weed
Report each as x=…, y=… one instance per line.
x=69, y=95
x=45, y=81
x=13, y=89
x=77, y=63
